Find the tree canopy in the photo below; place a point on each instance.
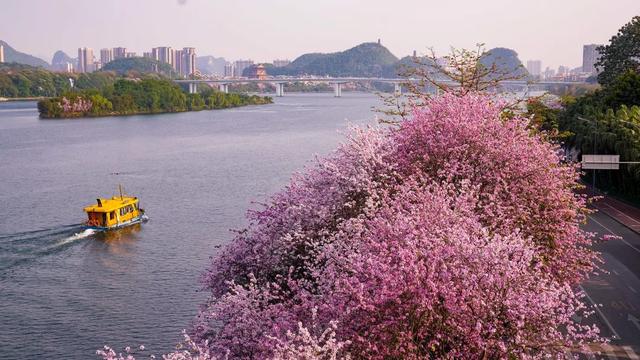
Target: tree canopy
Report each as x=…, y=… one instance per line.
x=621, y=54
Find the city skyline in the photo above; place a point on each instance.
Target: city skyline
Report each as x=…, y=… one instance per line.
x=264, y=31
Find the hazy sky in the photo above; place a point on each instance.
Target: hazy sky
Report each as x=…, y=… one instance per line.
x=550, y=30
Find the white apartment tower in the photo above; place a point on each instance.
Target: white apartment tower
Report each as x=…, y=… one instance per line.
x=106, y=56
x=590, y=56
x=85, y=60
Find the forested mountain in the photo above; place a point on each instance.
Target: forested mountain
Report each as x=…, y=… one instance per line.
x=375, y=60
x=367, y=60
x=138, y=65
x=13, y=55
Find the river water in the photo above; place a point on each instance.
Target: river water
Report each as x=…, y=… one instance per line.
x=65, y=293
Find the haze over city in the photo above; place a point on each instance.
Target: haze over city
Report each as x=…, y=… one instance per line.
x=551, y=31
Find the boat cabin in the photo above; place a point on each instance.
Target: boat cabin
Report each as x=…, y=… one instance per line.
x=114, y=212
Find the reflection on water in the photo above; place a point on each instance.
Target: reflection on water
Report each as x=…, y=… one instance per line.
x=65, y=292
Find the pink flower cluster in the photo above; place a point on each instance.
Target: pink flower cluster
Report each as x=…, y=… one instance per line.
x=455, y=235
x=78, y=105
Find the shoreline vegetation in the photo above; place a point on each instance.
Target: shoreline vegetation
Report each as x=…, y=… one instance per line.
x=146, y=96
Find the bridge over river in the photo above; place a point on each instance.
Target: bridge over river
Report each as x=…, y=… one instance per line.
x=338, y=82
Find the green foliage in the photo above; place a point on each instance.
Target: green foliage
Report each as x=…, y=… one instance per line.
x=26, y=81
x=195, y=102
x=607, y=121
x=146, y=96
x=367, y=60
x=100, y=105
x=545, y=119
x=622, y=54
x=51, y=107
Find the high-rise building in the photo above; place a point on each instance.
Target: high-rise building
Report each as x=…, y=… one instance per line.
x=147, y=54
x=534, y=67
x=189, y=61
x=130, y=54
x=240, y=65
x=1, y=54
x=177, y=61
x=590, y=56
x=106, y=56
x=164, y=54
x=85, y=60
x=281, y=63
x=119, y=52
x=229, y=70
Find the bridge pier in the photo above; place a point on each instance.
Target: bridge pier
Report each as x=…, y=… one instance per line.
x=337, y=89
x=397, y=89
x=223, y=88
x=279, y=89
x=193, y=88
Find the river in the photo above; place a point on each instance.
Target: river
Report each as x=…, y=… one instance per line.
x=64, y=294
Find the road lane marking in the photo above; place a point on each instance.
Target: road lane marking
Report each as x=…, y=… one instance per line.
x=632, y=289
x=615, y=272
x=608, y=350
x=624, y=214
x=612, y=233
x=601, y=314
x=630, y=353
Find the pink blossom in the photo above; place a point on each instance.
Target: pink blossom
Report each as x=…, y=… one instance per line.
x=456, y=234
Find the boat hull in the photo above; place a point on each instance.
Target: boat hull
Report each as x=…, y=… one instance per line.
x=137, y=220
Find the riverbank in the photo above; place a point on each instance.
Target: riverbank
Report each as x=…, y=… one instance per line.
x=35, y=98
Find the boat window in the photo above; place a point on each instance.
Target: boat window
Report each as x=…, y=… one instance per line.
x=112, y=215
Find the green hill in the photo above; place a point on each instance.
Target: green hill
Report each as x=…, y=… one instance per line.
x=375, y=60
x=506, y=60
x=12, y=55
x=19, y=80
x=367, y=60
x=138, y=66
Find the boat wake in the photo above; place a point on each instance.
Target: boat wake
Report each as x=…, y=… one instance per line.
x=23, y=247
x=77, y=236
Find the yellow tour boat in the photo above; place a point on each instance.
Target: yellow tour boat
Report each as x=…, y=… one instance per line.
x=117, y=212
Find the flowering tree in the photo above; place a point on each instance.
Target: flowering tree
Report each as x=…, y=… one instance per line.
x=76, y=105
x=456, y=234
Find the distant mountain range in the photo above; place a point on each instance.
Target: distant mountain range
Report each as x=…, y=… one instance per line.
x=375, y=60
x=367, y=59
x=13, y=55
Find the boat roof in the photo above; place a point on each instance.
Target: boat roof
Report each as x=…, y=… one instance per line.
x=107, y=205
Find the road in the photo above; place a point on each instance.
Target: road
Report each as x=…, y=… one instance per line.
x=616, y=291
